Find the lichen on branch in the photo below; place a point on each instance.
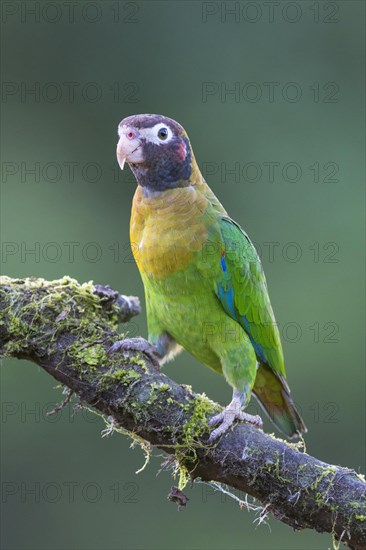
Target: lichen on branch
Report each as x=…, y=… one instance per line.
x=68, y=328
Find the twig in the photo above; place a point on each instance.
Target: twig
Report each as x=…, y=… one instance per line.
x=62, y=405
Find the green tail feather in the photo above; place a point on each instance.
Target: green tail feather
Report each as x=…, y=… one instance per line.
x=274, y=396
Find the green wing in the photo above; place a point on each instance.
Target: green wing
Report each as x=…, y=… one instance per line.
x=242, y=291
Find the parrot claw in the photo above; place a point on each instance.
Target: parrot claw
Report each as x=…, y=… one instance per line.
x=137, y=344
x=227, y=417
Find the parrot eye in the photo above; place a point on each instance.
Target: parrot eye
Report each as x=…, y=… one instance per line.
x=163, y=133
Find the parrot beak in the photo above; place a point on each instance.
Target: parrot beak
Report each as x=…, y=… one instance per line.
x=121, y=160
x=129, y=146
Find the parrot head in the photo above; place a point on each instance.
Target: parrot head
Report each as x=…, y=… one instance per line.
x=158, y=151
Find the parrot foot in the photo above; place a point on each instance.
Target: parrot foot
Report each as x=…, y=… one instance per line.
x=228, y=416
x=137, y=344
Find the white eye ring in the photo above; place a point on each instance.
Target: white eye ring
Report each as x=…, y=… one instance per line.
x=151, y=134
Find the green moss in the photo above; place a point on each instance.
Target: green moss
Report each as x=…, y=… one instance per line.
x=64, y=303
x=184, y=476
x=138, y=361
x=153, y=395
x=64, y=307
x=322, y=485
x=125, y=374
x=200, y=409
x=18, y=329
x=91, y=355
x=329, y=471
x=56, y=308
x=360, y=517
x=116, y=376
x=88, y=357
x=197, y=425
x=355, y=504
x=273, y=466
x=16, y=325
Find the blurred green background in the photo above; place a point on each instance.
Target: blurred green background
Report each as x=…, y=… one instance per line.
x=292, y=131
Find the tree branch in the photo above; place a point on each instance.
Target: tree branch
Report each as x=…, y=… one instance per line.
x=68, y=328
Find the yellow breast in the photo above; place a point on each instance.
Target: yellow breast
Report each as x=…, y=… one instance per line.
x=167, y=229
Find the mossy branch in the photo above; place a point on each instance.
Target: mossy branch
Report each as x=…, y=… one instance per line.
x=67, y=329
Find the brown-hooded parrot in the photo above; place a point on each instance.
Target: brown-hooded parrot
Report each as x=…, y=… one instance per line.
x=204, y=283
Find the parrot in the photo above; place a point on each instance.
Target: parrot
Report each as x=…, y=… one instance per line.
x=204, y=284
